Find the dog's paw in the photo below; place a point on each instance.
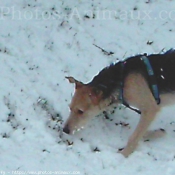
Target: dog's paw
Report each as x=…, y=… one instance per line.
x=125, y=152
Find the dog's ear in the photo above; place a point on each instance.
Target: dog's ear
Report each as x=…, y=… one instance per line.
x=96, y=95
x=77, y=83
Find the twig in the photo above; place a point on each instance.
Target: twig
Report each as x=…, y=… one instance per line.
x=104, y=51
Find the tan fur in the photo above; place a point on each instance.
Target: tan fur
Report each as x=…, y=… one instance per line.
x=85, y=104
x=136, y=93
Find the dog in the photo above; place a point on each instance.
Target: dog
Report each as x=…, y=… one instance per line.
x=146, y=83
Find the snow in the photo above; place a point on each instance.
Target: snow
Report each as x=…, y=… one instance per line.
x=42, y=42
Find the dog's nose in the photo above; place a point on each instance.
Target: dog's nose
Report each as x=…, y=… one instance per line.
x=66, y=129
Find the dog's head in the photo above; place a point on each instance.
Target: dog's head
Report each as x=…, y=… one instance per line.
x=84, y=106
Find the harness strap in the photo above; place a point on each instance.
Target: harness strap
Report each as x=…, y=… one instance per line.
x=133, y=109
x=121, y=91
x=152, y=81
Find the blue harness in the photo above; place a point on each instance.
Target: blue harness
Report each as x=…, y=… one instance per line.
x=151, y=79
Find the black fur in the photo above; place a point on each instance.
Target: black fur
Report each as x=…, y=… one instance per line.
x=110, y=78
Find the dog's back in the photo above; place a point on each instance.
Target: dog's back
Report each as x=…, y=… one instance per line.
x=163, y=66
x=164, y=69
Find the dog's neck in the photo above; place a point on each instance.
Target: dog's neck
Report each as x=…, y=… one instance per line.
x=108, y=80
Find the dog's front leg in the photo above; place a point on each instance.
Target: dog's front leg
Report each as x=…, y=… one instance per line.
x=146, y=118
x=138, y=94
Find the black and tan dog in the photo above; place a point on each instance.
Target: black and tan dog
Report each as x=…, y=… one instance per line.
x=144, y=82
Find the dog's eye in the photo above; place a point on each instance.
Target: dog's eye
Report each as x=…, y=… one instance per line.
x=80, y=111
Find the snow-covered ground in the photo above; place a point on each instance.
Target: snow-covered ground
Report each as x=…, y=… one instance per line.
x=41, y=42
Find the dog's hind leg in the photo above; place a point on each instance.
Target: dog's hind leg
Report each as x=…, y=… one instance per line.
x=154, y=134
x=138, y=93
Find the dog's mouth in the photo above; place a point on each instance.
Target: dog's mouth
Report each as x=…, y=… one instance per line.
x=77, y=130
x=71, y=131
